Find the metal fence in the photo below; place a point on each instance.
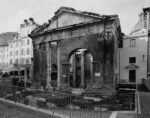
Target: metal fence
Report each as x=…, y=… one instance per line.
x=78, y=106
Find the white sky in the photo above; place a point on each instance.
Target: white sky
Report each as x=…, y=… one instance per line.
x=13, y=12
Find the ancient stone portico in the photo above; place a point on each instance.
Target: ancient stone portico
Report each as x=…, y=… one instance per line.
x=76, y=49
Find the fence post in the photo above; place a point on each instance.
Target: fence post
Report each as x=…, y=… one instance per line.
x=136, y=95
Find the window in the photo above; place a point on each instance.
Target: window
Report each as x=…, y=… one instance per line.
x=10, y=61
x=27, y=61
x=132, y=60
x=22, y=51
x=22, y=60
x=16, y=52
x=132, y=43
x=28, y=42
x=28, y=51
x=11, y=53
x=17, y=61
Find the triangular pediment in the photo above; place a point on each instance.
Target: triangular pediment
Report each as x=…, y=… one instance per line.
x=67, y=16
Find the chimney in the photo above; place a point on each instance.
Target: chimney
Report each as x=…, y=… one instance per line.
x=31, y=19
x=25, y=22
x=21, y=25
x=49, y=21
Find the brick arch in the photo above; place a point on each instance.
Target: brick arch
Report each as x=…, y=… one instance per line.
x=72, y=51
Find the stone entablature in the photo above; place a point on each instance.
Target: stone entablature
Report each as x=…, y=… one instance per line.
x=73, y=31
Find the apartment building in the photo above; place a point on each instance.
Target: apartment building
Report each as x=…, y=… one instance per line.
x=4, y=50
x=133, y=61
x=21, y=48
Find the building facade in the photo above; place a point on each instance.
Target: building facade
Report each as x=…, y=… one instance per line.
x=75, y=49
x=4, y=59
x=133, y=55
x=4, y=48
x=21, y=48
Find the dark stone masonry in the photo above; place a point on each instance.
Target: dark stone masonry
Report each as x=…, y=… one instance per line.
x=75, y=53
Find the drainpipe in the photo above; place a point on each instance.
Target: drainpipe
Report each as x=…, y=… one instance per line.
x=119, y=66
x=148, y=55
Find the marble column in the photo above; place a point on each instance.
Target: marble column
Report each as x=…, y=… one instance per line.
x=25, y=77
x=32, y=64
x=31, y=70
x=91, y=68
x=48, y=51
x=58, y=66
x=82, y=69
x=74, y=68
x=19, y=72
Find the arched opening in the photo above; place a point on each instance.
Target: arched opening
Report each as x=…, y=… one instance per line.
x=81, y=68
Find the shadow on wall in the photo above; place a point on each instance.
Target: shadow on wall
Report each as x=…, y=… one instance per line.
x=146, y=83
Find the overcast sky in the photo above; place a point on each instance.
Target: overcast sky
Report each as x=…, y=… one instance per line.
x=13, y=12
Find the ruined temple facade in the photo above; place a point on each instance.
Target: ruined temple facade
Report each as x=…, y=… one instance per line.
x=75, y=49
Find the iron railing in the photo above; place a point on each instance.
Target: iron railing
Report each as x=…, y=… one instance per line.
x=78, y=106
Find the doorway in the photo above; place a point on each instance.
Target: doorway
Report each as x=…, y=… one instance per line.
x=132, y=75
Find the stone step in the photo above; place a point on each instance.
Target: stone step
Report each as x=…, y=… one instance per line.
x=77, y=91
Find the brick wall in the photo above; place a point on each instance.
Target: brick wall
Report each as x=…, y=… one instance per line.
x=85, y=37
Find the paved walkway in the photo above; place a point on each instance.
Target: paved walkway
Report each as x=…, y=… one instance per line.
x=145, y=102
x=84, y=113
x=17, y=111
x=127, y=115
x=8, y=110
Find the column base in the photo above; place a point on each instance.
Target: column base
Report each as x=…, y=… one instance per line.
x=81, y=86
x=49, y=88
